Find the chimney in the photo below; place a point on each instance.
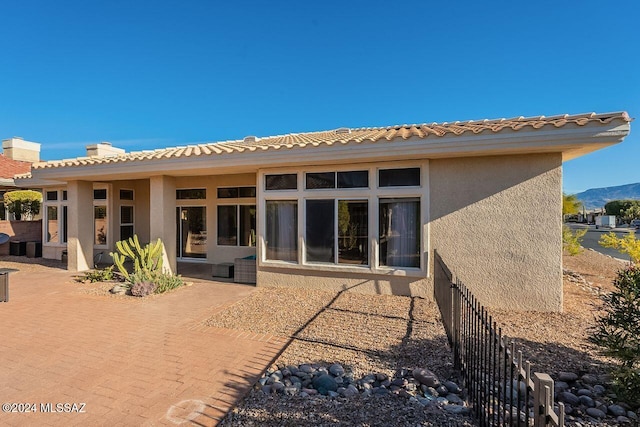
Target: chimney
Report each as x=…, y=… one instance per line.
x=18, y=149
x=103, y=149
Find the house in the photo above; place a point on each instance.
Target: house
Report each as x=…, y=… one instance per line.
x=360, y=209
x=16, y=158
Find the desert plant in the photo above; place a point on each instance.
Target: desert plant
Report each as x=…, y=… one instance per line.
x=617, y=333
x=99, y=275
x=23, y=203
x=143, y=288
x=166, y=282
x=625, y=245
x=146, y=261
x=571, y=240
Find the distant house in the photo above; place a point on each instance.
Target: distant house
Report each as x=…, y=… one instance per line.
x=360, y=209
x=16, y=158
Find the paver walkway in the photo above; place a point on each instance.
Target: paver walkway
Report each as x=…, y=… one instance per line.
x=146, y=363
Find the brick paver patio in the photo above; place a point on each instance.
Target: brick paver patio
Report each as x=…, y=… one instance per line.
x=147, y=363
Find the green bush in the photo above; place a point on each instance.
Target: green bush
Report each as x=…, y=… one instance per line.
x=98, y=275
x=23, y=203
x=617, y=333
x=166, y=282
x=571, y=240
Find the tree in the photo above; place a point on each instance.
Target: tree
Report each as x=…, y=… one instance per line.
x=618, y=207
x=632, y=213
x=570, y=204
x=23, y=203
x=625, y=245
x=617, y=332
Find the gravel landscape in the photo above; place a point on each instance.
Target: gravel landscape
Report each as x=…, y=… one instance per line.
x=367, y=343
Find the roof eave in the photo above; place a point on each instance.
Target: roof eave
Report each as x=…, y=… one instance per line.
x=570, y=141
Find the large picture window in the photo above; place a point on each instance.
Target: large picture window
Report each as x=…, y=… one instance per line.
x=281, y=234
x=319, y=233
x=399, y=232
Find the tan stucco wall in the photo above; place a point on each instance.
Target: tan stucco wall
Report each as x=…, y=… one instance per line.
x=365, y=283
x=496, y=221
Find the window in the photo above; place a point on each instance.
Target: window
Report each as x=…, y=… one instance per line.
x=100, y=224
x=353, y=232
x=352, y=245
x=399, y=232
x=281, y=236
x=126, y=222
x=64, y=223
x=126, y=194
x=52, y=227
x=191, y=194
x=353, y=179
x=237, y=225
x=281, y=182
x=100, y=194
x=346, y=179
x=236, y=192
x=320, y=231
x=399, y=177
x=54, y=213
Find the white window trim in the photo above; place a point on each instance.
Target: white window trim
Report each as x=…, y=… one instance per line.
x=107, y=203
x=372, y=194
x=59, y=204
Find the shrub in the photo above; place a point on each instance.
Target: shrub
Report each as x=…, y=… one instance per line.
x=166, y=282
x=625, y=245
x=142, y=289
x=23, y=203
x=571, y=240
x=98, y=275
x=617, y=332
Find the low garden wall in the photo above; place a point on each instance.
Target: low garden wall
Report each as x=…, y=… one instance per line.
x=24, y=231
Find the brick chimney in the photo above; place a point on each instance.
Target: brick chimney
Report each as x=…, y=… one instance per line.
x=18, y=149
x=103, y=149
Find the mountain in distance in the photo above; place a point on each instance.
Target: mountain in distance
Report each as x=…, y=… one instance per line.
x=595, y=198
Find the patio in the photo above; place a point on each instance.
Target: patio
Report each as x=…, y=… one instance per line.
x=140, y=362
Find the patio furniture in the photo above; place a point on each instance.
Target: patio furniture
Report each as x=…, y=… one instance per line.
x=245, y=270
x=224, y=269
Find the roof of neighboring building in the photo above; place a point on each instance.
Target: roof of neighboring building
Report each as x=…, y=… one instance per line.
x=346, y=136
x=10, y=168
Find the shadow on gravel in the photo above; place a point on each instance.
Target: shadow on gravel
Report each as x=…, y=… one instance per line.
x=552, y=358
x=420, y=342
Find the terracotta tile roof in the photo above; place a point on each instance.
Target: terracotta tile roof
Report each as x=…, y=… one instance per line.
x=348, y=136
x=10, y=168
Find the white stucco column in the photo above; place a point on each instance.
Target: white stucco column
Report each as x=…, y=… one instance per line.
x=162, y=217
x=80, y=225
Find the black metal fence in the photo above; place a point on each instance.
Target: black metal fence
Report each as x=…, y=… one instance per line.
x=500, y=387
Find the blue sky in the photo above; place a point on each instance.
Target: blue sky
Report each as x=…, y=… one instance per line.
x=153, y=74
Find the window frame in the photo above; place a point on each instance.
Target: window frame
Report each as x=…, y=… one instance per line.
x=60, y=203
x=372, y=194
x=131, y=224
x=106, y=203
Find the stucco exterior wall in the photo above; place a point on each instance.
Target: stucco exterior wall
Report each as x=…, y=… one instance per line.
x=365, y=283
x=496, y=222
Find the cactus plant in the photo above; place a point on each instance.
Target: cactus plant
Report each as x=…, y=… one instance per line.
x=146, y=261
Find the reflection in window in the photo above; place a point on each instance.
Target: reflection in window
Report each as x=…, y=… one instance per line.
x=400, y=232
x=53, y=234
x=319, y=233
x=281, y=182
x=353, y=232
x=100, y=224
x=399, y=177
